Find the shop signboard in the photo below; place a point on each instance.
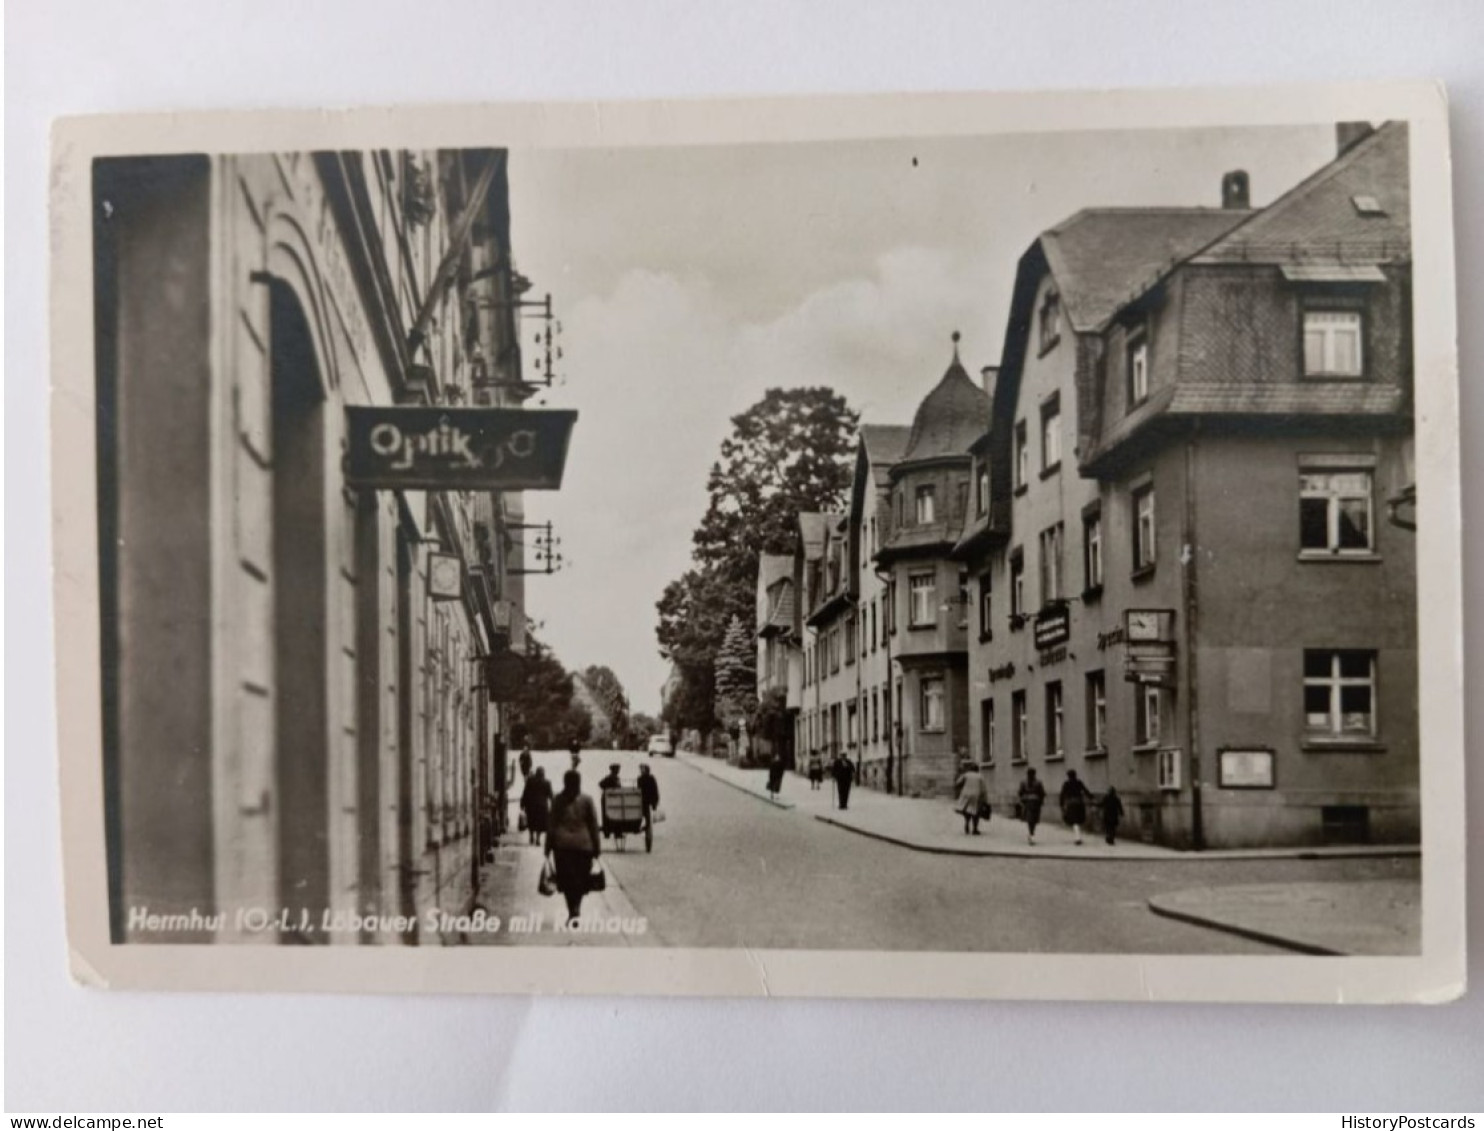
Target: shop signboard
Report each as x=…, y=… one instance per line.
x=416, y=448
x=1248, y=767
x=1053, y=626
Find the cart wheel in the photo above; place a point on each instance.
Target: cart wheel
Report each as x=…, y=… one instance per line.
x=648, y=837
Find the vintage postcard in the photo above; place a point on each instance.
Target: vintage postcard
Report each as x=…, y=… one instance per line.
x=946, y=546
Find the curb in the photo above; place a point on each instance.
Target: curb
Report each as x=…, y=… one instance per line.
x=1252, y=933
x=739, y=787
x=1171, y=856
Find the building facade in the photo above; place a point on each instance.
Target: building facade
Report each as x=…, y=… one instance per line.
x=779, y=658
x=1185, y=583
x=297, y=708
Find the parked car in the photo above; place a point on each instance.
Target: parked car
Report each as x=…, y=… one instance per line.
x=659, y=744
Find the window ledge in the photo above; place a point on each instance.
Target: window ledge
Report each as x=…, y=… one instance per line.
x=922, y=627
x=1092, y=593
x=985, y=637
x=1096, y=752
x=1022, y=489
x=1368, y=557
x=1342, y=746
x=931, y=730
x=1048, y=472
x=1047, y=346
x=1058, y=757
x=1018, y=761
x=1145, y=748
x=1143, y=573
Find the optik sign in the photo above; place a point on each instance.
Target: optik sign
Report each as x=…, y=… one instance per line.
x=457, y=449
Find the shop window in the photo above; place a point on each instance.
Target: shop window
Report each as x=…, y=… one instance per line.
x=1055, y=721
x=1020, y=735
x=931, y=705
x=1332, y=343
x=923, y=592
x=1340, y=693
x=1097, y=712
x=1335, y=511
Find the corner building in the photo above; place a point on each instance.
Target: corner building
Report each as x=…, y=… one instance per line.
x=1185, y=580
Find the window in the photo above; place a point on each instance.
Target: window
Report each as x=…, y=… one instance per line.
x=1097, y=711
x=1017, y=587
x=1054, y=721
x=1138, y=367
x=1332, y=343
x=875, y=715
x=850, y=724
x=1144, y=528
x=1092, y=550
x=1340, y=694
x=849, y=640
x=875, y=640
x=963, y=598
x=1335, y=511
x=981, y=491
x=1168, y=770
x=1019, y=732
x=1022, y=457
x=923, y=595
x=901, y=509
x=1051, y=435
x=962, y=496
x=1051, y=564
x=1050, y=316
x=835, y=648
x=1367, y=205
x=986, y=730
x=986, y=608
x=1147, y=703
x=889, y=611
x=925, y=505
x=932, y=703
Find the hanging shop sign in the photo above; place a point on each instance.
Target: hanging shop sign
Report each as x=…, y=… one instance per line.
x=1053, y=626
x=1245, y=768
x=457, y=449
x=445, y=577
x=504, y=676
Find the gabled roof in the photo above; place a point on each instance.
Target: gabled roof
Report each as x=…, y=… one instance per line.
x=812, y=528
x=1356, y=210
x=1102, y=258
x=950, y=418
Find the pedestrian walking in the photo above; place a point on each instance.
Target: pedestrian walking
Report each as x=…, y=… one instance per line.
x=575, y=749
x=973, y=798
x=524, y=761
x=816, y=770
x=649, y=790
x=1074, y=798
x=535, y=803
x=844, y=774
x=573, y=842
x=775, y=776
x=1112, y=806
x=1032, y=797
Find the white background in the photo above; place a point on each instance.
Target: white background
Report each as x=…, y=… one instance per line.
x=73, y=1050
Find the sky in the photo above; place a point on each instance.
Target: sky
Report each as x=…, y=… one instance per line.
x=688, y=281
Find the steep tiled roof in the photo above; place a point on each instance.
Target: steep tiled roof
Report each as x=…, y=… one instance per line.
x=950, y=418
x=882, y=446
x=1103, y=257
x=1355, y=210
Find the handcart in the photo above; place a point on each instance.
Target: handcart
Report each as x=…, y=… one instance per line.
x=624, y=814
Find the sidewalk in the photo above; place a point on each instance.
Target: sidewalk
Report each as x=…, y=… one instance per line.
x=933, y=826
x=1360, y=917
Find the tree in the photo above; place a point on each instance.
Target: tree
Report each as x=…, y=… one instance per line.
x=609, y=693
x=544, y=708
x=788, y=453
x=736, y=675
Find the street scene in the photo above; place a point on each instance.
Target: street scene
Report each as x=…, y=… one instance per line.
x=961, y=544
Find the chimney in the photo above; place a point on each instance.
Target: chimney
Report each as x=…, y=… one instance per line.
x=1348, y=133
x=1236, y=190
x=988, y=376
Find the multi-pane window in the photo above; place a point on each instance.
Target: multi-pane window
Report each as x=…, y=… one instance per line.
x=1051, y=434
x=1017, y=584
x=1022, y=457
x=1332, y=343
x=1092, y=550
x=1051, y=564
x=1340, y=693
x=1020, y=736
x=986, y=730
x=850, y=724
x=926, y=505
x=932, y=713
x=1147, y=703
x=1097, y=711
x=981, y=490
x=1138, y=367
x=1335, y=511
x=1050, y=315
x=1055, y=721
x=923, y=592
x=1144, y=527
x=986, y=607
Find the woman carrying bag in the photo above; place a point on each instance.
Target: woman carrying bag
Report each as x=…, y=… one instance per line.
x=573, y=842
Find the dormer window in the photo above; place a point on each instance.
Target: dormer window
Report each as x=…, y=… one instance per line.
x=1050, y=320
x=1138, y=367
x=1332, y=343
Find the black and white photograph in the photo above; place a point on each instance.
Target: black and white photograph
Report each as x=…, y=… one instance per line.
x=914, y=542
